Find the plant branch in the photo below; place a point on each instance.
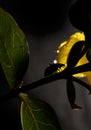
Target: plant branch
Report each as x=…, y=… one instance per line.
x=14, y=92
x=82, y=68
x=62, y=75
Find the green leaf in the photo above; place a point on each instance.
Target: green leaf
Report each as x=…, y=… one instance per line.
x=14, y=51
x=37, y=115
x=71, y=94
x=52, y=68
x=76, y=52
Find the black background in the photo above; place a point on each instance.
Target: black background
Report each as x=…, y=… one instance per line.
x=38, y=17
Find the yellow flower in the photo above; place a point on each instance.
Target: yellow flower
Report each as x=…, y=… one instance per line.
x=64, y=49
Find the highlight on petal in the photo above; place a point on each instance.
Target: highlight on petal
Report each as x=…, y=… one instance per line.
x=52, y=68
x=65, y=47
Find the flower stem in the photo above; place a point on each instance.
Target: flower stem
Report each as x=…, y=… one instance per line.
x=62, y=75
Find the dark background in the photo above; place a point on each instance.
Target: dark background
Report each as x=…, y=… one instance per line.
x=38, y=17
x=45, y=24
